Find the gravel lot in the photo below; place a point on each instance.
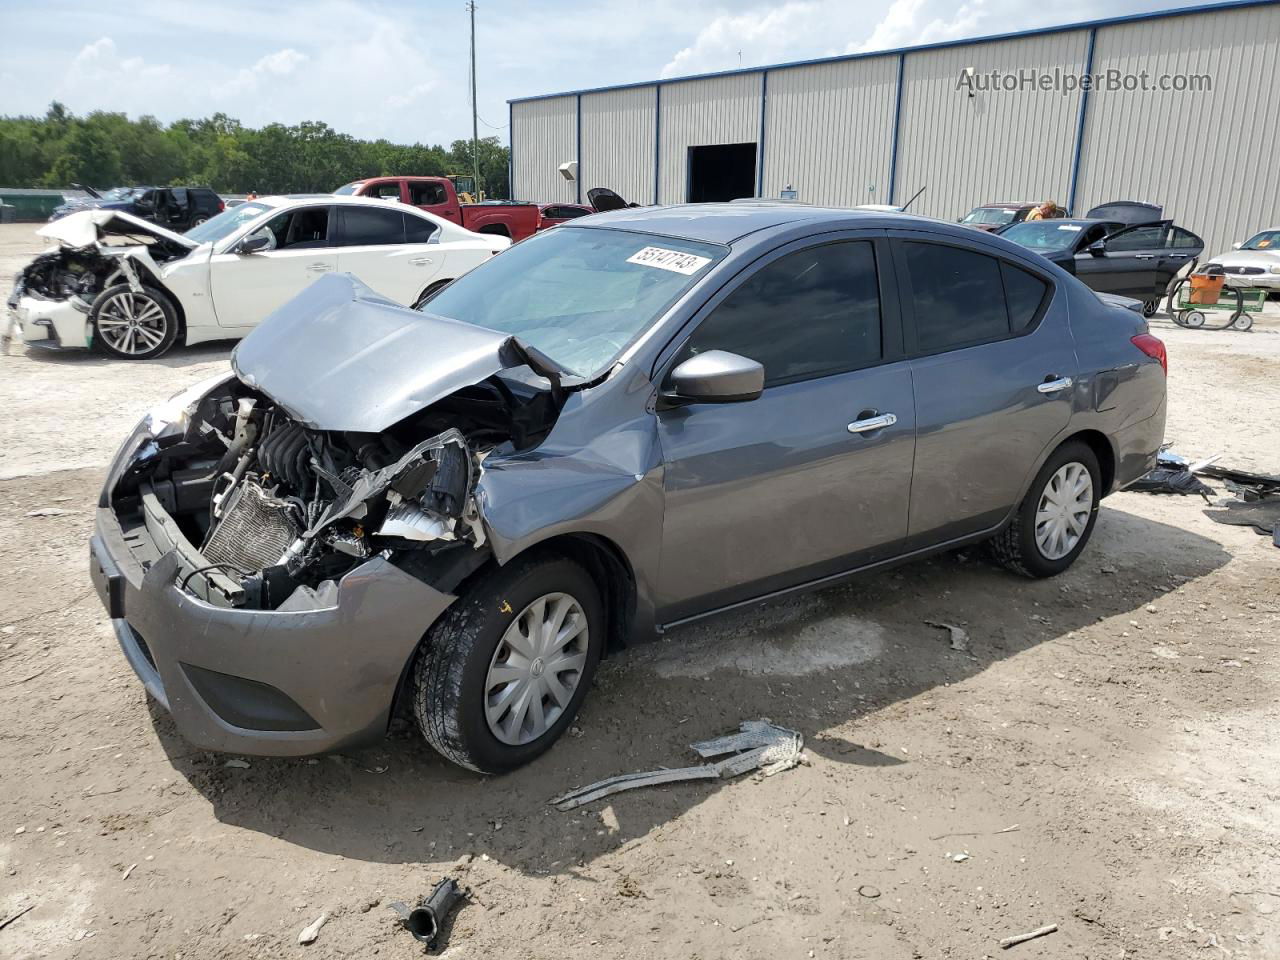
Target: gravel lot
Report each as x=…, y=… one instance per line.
x=1105, y=758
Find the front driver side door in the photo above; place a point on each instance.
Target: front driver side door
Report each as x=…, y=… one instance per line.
x=799, y=484
x=248, y=286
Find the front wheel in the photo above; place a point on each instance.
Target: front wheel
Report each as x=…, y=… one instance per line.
x=503, y=673
x=1149, y=308
x=1055, y=519
x=133, y=325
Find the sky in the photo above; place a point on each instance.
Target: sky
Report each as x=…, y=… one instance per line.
x=399, y=68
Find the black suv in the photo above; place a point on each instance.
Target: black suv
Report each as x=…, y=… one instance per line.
x=178, y=208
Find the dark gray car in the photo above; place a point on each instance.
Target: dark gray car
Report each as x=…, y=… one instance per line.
x=626, y=423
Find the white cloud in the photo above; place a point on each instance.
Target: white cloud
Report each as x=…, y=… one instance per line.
x=911, y=22
x=747, y=39
x=278, y=64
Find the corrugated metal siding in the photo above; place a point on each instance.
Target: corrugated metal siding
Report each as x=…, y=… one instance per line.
x=617, y=143
x=997, y=145
x=544, y=134
x=829, y=131
x=1208, y=157
x=702, y=112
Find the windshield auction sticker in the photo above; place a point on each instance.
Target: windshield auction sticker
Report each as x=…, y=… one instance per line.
x=673, y=260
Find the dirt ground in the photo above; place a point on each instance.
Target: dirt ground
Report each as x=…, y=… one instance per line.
x=1104, y=759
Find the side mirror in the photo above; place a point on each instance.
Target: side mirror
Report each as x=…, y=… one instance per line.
x=1097, y=248
x=1236, y=246
x=716, y=376
x=253, y=244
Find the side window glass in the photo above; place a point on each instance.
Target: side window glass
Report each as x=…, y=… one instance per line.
x=372, y=225
x=958, y=296
x=1024, y=292
x=426, y=194
x=386, y=191
x=1137, y=238
x=1182, y=239
x=418, y=229
x=808, y=314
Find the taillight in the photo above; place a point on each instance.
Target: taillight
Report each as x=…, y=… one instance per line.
x=1152, y=347
x=222, y=205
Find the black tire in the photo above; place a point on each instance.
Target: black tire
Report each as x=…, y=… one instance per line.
x=430, y=292
x=152, y=339
x=198, y=220
x=1149, y=308
x=1015, y=546
x=453, y=664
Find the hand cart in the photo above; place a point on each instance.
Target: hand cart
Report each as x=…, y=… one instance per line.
x=1188, y=307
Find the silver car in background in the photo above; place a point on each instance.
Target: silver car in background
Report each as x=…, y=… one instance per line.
x=629, y=422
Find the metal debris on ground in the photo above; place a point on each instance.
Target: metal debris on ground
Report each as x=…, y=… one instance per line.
x=1008, y=942
x=1246, y=486
x=8, y=920
x=758, y=745
x=426, y=919
x=959, y=637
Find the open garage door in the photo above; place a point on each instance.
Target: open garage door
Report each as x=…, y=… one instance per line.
x=726, y=171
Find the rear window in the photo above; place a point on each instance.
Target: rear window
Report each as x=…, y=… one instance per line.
x=349, y=189
x=958, y=296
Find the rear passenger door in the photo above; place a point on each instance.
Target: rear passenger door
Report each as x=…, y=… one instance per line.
x=388, y=250
x=994, y=369
x=798, y=484
x=1129, y=261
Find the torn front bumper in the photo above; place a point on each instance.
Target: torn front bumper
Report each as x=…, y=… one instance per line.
x=270, y=683
x=59, y=324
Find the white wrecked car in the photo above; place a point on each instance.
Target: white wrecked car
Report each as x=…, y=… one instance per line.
x=134, y=289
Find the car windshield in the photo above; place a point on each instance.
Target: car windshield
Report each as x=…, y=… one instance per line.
x=580, y=296
x=993, y=215
x=348, y=189
x=1266, y=240
x=1044, y=234
x=227, y=222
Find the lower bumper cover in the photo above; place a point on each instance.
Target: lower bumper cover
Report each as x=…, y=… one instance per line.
x=51, y=323
x=333, y=670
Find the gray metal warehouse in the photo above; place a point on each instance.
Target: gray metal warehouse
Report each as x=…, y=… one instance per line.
x=877, y=127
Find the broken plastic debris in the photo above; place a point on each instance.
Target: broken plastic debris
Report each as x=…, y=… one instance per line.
x=424, y=920
x=309, y=934
x=237, y=763
x=758, y=744
x=959, y=637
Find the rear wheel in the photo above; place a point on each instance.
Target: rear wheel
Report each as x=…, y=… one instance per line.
x=1149, y=308
x=503, y=673
x=1055, y=519
x=133, y=325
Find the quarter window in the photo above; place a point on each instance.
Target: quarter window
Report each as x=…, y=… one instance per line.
x=808, y=314
x=958, y=296
x=1179, y=238
x=362, y=226
x=418, y=229
x=1024, y=292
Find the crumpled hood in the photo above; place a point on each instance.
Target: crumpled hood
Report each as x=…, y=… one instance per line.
x=84, y=228
x=341, y=357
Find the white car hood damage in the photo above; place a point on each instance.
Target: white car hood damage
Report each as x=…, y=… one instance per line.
x=90, y=227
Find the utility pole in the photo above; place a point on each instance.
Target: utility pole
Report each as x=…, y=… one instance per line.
x=475, y=123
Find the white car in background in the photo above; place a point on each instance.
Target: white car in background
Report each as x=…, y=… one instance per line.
x=134, y=289
x=1254, y=263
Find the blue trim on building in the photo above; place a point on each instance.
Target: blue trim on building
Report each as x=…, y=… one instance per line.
x=897, y=125
x=1080, y=121
x=764, y=99
x=578, y=154
x=511, y=153
x=989, y=38
x=657, y=143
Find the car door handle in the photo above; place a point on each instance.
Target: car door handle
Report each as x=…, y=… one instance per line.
x=1176, y=256
x=421, y=261
x=1055, y=386
x=878, y=422
x=318, y=267
x=1145, y=256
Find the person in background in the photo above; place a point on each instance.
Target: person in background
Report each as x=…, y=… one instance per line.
x=1046, y=211
x=251, y=195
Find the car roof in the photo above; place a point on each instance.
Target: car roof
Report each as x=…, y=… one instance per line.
x=280, y=200
x=727, y=222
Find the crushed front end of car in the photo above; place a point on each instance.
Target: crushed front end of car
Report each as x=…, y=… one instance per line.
x=272, y=546
x=54, y=295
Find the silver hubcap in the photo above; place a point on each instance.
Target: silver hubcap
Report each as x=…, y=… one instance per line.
x=536, y=669
x=132, y=323
x=1063, y=513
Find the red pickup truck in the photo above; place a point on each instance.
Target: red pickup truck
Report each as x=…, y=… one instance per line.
x=438, y=195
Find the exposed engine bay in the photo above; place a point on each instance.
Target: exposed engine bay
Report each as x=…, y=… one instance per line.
x=267, y=513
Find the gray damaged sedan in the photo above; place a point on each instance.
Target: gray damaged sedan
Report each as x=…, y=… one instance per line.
x=620, y=425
